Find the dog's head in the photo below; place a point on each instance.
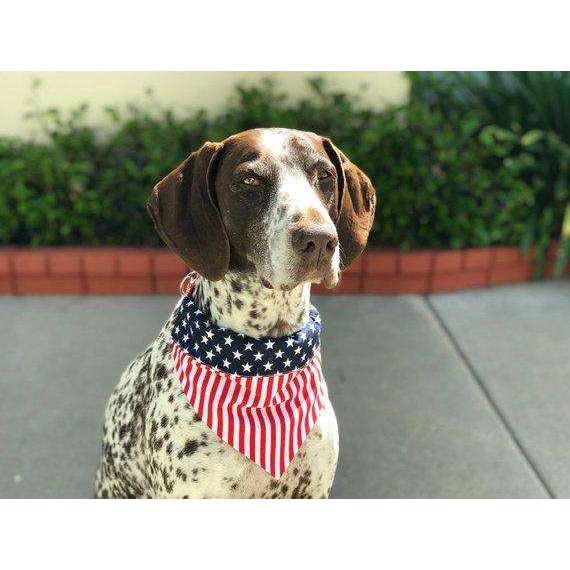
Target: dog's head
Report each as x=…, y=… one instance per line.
x=286, y=205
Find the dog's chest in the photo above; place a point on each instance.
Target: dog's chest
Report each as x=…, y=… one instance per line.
x=179, y=456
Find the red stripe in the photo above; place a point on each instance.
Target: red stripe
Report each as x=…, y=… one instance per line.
x=215, y=385
x=311, y=400
x=301, y=433
x=263, y=424
x=280, y=420
x=242, y=420
x=271, y=421
x=226, y=410
x=295, y=413
x=229, y=430
x=202, y=385
x=218, y=412
x=288, y=414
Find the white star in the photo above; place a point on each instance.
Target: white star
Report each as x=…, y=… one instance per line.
x=237, y=354
x=269, y=344
x=246, y=367
x=290, y=342
x=209, y=334
x=198, y=312
x=302, y=336
x=205, y=339
x=287, y=363
x=196, y=347
x=226, y=362
x=249, y=346
x=258, y=356
x=185, y=337
x=297, y=350
x=218, y=348
x=209, y=354
x=177, y=330
x=267, y=366
x=279, y=354
x=229, y=340
x=310, y=343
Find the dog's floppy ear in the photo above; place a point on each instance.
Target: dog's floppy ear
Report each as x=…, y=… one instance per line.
x=186, y=216
x=356, y=205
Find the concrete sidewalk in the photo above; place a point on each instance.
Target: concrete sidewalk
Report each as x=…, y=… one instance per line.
x=457, y=395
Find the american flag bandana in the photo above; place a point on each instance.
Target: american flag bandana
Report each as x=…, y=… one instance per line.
x=261, y=396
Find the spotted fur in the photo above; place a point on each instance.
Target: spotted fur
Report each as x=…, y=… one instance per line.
x=260, y=216
x=155, y=445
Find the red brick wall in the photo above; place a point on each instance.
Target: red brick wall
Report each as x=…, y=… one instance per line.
x=142, y=271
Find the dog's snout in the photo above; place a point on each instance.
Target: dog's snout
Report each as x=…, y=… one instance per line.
x=314, y=241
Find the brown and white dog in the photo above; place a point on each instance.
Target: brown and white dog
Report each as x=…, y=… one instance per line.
x=259, y=216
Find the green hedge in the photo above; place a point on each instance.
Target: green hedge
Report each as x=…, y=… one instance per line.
x=445, y=179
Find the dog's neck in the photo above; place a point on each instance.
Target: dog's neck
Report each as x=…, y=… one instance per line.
x=240, y=302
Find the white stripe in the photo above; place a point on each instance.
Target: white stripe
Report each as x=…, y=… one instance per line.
x=209, y=384
x=184, y=369
x=277, y=421
x=225, y=406
x=237, y=419
x=304, y=404
x=263, y=395
x=298, y=385
x=197, y=375
x=214, y=420
x=287, y=421
x=257, y=430
x=265, y=419
x=247, y=430
x=312, y=395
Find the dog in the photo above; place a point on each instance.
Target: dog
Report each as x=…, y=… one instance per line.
x=258, y=218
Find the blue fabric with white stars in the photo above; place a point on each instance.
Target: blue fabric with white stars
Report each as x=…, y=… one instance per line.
x=237, y=353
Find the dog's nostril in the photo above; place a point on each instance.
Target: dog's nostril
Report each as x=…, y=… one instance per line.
x=310, y=247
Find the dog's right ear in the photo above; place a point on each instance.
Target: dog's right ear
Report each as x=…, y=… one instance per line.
x=184, y=209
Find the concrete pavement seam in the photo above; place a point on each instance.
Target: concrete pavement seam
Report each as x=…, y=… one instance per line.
x=487, y=395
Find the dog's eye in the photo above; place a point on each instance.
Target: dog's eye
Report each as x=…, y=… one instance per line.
x=324, y=174
x=250, y=181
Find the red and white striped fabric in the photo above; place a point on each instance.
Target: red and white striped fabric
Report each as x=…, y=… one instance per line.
x=266, y=418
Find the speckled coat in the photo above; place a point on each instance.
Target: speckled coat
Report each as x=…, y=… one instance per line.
x=155, y=445
x=259, y=216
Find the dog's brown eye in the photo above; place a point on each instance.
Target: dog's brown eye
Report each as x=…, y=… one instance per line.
x=250, y=181
x=324, y=174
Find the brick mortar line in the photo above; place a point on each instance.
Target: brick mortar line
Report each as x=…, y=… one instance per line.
x=13, y=280
x=488, y=397
x=152, y=271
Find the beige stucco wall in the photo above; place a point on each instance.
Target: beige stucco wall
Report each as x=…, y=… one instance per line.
x=178, y=90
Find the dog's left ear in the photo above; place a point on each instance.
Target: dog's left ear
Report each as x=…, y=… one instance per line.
x=356, y=205
x=184, y=209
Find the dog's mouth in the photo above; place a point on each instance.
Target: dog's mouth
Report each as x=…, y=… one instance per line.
x=328, y=277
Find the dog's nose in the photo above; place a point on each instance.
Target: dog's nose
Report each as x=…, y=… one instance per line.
x=314, y=242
